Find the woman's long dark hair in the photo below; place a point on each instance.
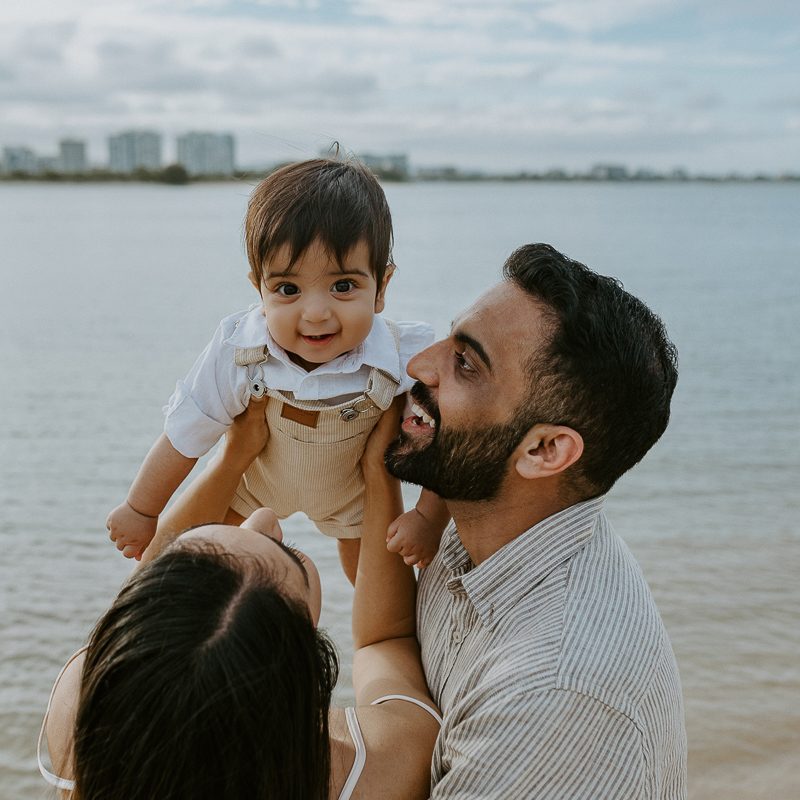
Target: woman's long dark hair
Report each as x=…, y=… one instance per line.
x=204, y=680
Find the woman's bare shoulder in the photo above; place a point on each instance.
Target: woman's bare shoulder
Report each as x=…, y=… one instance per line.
x=61, y=715
x=399, y=738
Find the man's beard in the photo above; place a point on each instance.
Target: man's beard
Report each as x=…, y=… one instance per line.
x=457, y=464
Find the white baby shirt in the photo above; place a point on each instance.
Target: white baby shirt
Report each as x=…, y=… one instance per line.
x=204, y=404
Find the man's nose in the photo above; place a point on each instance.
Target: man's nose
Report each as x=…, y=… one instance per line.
x=423, y=366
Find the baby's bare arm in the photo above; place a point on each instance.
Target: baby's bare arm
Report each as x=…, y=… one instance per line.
x=132, y=524
x=208, y=497
x=433, y=509
x=416, y=534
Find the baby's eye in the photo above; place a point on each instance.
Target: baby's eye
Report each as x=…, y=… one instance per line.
x=287, y=289
x=343, y=286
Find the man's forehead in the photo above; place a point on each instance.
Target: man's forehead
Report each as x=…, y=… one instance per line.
x=504, y=315
x=504, y=301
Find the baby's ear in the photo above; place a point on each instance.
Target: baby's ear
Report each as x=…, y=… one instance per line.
x=380, y=297
x=252, y=278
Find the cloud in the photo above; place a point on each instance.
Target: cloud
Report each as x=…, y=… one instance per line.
x=509, y=81
x=591, y=16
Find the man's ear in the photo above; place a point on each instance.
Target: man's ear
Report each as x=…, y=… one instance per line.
x=547, y=450
x=380, y=297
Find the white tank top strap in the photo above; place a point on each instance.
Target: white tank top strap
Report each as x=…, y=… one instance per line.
x=51, y=778
x=358, y=740
x=361, y=754
x=435, y=714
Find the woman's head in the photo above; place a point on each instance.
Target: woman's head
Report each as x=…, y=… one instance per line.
x=207, y=678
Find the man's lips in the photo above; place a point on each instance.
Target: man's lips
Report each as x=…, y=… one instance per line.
x=419, y=421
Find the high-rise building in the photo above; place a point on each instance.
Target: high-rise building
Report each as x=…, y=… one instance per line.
x=206, y=153
x=72, y=156
x=132, y=150
x=20, y=159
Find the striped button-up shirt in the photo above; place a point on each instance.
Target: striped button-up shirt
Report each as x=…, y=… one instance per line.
x=552, y=668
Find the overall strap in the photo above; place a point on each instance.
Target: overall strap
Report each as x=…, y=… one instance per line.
x=252, y=358
x=245, y=356
x=381, y=388
x=394, y=329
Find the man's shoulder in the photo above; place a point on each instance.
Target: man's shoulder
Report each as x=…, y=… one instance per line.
x=614, y=643
x=590, y=625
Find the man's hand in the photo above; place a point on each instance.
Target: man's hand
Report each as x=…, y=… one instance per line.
x=130, y=530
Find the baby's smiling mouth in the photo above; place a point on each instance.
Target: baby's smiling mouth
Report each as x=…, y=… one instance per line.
x=319, y=338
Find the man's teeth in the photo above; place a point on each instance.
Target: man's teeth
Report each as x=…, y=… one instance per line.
x=423, y=416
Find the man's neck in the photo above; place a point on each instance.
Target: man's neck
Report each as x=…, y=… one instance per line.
x=487, y=526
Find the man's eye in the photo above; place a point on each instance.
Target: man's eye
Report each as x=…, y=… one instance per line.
x=343, y=286
x=287, y=289
x=462, y=362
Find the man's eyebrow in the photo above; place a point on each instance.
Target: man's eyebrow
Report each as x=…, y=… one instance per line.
x=289, y=552
x=473, y=344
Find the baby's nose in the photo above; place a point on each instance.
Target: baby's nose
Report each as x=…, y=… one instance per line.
x=316, y=309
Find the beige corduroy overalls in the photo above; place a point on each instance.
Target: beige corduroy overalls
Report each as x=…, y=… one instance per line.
x=311, y=461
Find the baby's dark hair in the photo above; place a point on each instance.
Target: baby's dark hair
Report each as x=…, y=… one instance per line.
x=339, y=202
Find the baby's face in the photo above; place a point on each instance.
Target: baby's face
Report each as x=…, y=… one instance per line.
x=318, y=311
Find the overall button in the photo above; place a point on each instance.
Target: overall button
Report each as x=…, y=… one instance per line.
x=348, y=414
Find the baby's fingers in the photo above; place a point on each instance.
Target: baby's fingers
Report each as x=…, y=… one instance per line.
x=393, y=528
x=395, y=544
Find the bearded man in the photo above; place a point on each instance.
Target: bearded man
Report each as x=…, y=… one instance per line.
x=540, y=639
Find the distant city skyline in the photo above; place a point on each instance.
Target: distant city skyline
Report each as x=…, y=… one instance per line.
x=201, y=153
x=707, y=85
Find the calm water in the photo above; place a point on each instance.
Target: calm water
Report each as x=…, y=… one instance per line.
x=108, y=292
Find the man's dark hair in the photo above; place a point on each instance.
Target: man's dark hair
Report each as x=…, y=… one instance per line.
x=608, y=371
x=339, y=202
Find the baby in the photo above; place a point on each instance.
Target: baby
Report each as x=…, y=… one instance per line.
x=318, y=236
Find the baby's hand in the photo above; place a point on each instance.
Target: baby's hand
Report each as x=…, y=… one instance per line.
x=130, y=530
x=414, y=538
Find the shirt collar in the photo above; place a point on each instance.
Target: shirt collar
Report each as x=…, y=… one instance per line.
x=495, y=586
x=377, y=350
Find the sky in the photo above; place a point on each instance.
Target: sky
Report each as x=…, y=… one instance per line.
x=497, y=85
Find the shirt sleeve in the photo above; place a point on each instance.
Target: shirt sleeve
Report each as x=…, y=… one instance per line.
x=548, y=744
x=413, y=337
x=204, y=403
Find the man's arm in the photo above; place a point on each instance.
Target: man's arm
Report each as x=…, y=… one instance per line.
x=548, y=744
